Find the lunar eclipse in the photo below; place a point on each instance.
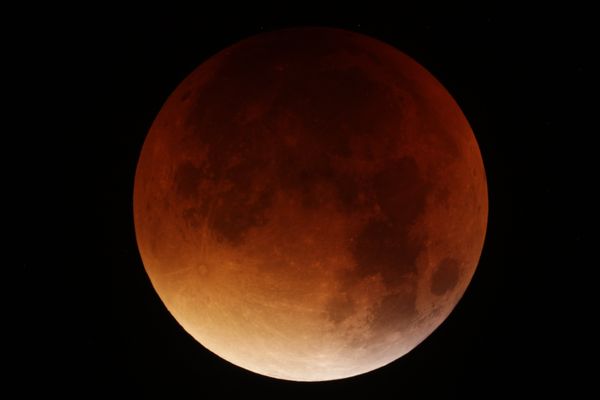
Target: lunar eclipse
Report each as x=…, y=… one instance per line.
x=310, y=204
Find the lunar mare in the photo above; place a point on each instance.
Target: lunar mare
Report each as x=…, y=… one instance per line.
x=310, y=204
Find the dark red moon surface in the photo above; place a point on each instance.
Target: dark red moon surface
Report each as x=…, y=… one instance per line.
x=310, y=204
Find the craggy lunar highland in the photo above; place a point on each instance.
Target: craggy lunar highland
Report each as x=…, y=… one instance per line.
x=310, y=204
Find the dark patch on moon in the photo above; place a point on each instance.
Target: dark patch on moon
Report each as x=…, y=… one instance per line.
x=315, y=100
x=401, y=191
x=194, y=216
x=348, y=192
x=445, y=276
x=396, y=312
x=301, y=170
x=339, y=308
x=382, y=247
x=386, y=245
x=239, y=210
x=187, y=179
x=334, y=103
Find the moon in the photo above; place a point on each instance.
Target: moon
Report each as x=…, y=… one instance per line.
x=310, y=204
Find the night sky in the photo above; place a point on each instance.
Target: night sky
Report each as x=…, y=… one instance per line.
x=521, y=83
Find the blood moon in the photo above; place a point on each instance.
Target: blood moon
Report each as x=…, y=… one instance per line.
x=310, y=204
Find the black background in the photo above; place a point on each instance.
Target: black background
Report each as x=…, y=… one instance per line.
x=520, y=79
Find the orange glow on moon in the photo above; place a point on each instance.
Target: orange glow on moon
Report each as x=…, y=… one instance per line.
x=310, y=204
